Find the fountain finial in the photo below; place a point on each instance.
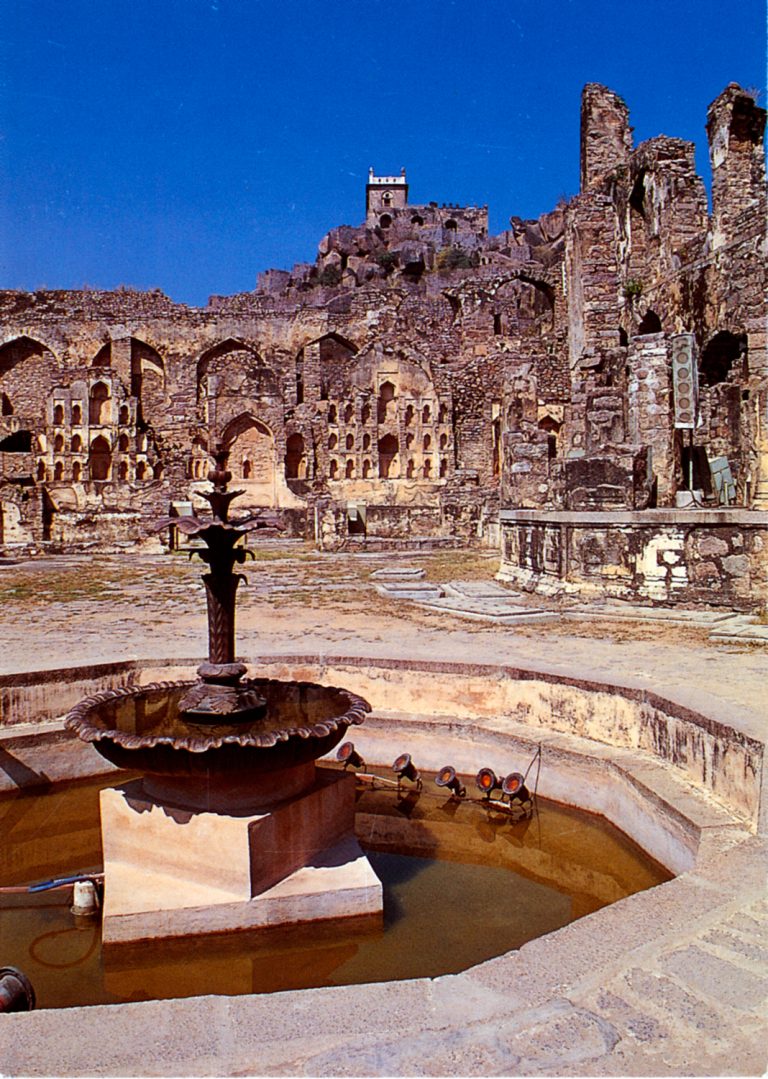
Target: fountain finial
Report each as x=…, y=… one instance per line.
x=218, y=691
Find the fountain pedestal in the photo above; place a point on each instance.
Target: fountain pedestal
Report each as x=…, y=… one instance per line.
x=175, y=870
x=232, y=826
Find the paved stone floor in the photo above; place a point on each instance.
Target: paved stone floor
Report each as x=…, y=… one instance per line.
x=668, y=982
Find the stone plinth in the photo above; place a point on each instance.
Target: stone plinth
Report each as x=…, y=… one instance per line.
x=172, y=870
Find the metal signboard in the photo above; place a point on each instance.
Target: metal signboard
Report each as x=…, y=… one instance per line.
x=685, y=380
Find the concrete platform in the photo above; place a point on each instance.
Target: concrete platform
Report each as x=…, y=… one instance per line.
x=338, y=883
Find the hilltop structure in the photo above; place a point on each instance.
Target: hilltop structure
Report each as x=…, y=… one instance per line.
x=589, y=390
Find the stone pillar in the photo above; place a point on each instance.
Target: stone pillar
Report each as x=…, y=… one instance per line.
x=649, y=412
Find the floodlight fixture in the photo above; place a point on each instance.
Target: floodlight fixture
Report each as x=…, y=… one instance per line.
x=447, y=777
x=487, y=781
x=514, y=787
x=404, y=768
x=347, y=755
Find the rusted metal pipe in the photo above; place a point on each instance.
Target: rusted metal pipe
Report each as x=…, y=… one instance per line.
x=16, y=992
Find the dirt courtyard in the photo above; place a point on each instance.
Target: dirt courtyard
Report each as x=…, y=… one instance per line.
x=142, y=603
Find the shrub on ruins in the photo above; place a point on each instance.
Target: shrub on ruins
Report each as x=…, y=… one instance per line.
x=456, y=258
x=330, y=276
x=632, y=289
x=387, y=260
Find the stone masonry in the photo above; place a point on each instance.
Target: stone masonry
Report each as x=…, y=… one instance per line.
x=422, y=380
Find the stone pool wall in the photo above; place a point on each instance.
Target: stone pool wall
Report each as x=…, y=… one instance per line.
x=713, y=756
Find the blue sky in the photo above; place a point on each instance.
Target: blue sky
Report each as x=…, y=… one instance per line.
x=188, y=144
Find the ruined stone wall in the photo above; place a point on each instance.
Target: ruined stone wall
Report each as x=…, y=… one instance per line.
x=360, y=403
x=419, y=373
x=645, y=264
x=660, y=556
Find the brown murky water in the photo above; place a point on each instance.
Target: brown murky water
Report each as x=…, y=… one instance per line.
x=462, y=883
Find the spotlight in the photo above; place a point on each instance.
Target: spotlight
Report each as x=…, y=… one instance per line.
x=404, y=768
x=487, y=781
x=348, y=755
x=447, y=777
x=514, y=787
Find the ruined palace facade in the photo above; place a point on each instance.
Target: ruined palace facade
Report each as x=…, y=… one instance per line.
x=588, y=390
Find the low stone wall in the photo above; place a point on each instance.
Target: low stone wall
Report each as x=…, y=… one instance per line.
x=716, y=758
x=42, y=695
x=714, y=557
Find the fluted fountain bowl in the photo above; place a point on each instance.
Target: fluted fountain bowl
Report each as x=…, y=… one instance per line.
x=252, y=761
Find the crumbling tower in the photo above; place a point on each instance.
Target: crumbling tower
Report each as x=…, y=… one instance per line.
x=735, y=128
x=606, y=137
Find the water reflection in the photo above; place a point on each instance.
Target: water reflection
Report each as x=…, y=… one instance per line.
x=462, y=883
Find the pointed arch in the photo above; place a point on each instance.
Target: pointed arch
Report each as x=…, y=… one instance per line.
x=18, y=350
x=220, y=351
x=240, y=371
x=148, y=378
x=100, y=459
x=103, y=357
x=252, y=455
x=25, y=367
x=322, y=363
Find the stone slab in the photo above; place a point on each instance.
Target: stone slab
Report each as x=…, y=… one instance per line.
x=240, y=855
x=338, y=883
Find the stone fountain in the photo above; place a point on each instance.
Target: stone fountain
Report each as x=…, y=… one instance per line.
x=232, y=825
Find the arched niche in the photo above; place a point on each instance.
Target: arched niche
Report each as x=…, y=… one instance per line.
x=252, y=458
x=295, y=458
x=385, y=402
x=100, y=459
x=552, y=427
x=233, y=368
x=388, y=458
x=25, y=366
x=99, y=404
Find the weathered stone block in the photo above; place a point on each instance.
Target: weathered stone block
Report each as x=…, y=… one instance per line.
x=736, y=564
x=712, y=545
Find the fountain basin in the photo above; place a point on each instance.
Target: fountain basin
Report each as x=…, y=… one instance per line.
x=251, y=761
x=230, y=825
